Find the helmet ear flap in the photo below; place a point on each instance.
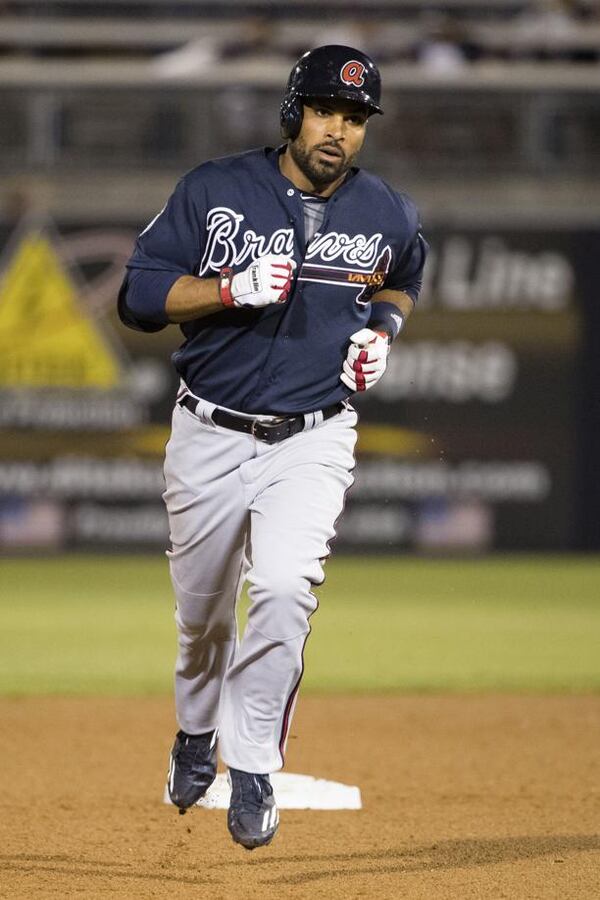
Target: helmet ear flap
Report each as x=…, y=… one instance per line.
x=290, y=117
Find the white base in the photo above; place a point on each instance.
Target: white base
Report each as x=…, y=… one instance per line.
x=291, y=792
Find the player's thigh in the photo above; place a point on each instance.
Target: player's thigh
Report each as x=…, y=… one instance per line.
x=206, y=505
x=302, y=494
x=293, y=522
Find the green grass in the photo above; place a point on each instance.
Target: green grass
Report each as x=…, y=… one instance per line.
x=103, y=625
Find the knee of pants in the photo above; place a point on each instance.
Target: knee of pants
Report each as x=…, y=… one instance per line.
x=204, y=619
x=195, y=574
x=280, y=606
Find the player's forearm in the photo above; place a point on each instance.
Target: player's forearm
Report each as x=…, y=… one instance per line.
x=265, y=281
x=192, y=298
x=401, y=301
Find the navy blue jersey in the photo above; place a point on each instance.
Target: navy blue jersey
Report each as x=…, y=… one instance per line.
x=282, y=358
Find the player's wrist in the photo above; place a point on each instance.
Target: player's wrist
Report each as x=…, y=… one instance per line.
x=387, y=318
x=225, y=294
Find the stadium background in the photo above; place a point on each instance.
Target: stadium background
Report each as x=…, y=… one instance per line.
x=467, y=560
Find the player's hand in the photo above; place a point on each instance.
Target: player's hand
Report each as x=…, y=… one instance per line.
x=366, y=360
x=268, y=280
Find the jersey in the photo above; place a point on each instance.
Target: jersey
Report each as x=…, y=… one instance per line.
x=283, y=358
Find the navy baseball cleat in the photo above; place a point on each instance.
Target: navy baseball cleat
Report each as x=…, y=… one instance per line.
x=192, y=767
x=252, y=818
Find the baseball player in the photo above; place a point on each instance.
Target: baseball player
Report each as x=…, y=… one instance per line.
x=289, y=271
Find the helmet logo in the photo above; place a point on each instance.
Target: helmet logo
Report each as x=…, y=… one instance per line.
x=353, y=72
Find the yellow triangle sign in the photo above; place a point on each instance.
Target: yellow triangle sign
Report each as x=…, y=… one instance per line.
x=46, y=338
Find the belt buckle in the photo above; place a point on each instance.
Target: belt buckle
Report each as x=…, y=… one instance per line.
x=268, y=428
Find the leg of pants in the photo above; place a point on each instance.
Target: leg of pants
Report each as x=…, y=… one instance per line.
x=297, y=492
x=208, y=521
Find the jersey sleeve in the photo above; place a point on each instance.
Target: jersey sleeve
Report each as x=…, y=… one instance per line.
x=407, y=275
x=169, y=247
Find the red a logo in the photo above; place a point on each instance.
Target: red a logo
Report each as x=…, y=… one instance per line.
x=353, y=72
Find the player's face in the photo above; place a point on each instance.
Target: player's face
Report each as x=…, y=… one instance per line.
x=332, y=133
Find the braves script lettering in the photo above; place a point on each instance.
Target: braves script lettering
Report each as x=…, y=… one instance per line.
x=358, y=250
x=225, y=244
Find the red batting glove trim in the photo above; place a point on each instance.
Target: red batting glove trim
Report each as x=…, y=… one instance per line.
x=285, y=287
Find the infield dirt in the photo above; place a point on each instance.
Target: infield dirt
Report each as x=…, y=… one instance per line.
x=464, y=797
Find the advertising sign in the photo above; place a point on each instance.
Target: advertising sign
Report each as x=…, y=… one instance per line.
x=467, y=443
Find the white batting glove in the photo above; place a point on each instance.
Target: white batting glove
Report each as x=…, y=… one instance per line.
x=266, y=281
x=366, y=360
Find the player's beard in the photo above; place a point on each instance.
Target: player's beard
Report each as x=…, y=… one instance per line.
x=320, y=172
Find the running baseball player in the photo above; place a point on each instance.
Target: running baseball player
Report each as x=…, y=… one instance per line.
x=289, y=271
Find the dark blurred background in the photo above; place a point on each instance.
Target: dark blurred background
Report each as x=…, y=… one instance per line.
x=484, y=433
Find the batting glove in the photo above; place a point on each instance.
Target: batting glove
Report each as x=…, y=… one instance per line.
x=366, y=360
x=266, y=281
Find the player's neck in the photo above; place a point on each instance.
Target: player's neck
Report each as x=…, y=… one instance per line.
x=290, y=170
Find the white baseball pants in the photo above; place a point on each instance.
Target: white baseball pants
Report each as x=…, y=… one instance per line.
x=242, y=509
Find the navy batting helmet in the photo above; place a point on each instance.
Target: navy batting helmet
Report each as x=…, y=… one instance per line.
x=332, y=71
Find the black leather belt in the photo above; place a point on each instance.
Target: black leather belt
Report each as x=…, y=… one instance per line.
x=270, y=432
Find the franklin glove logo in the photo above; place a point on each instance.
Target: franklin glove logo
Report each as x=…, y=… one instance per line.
x=353, y=72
